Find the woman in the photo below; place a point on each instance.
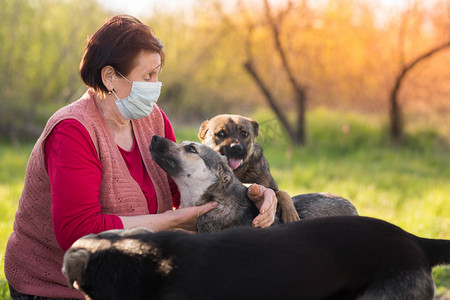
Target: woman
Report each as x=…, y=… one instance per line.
x=91, y=169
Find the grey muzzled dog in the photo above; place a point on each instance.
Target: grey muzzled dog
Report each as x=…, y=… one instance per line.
x=203, y=175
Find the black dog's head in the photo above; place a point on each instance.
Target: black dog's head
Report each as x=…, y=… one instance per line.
x=100, y=265
x=194, y=167
x=232, y=136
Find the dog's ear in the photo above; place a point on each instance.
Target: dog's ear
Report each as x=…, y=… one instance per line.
x=225, y=174
x=74, y=267
x=203, y=130
x=255, y=127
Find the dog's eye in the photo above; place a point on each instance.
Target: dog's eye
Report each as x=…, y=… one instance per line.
x=244, y=133
x=191, y=149
x=220, y=134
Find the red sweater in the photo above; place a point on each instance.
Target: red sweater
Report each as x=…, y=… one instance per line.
x=69, y=152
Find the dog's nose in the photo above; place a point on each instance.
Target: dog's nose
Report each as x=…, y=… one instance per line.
x=156, y=139
x=236, y=149
x=157, y=143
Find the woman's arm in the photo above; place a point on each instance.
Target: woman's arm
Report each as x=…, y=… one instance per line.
x=186, y=218
x=75, y=174
x=75, y=177
x=183, y=218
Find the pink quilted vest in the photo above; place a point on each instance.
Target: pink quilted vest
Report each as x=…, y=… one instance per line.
x=33, y=258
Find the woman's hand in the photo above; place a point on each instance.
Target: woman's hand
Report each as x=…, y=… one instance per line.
x=186, y=217
x=182, y=218
x=266, y=201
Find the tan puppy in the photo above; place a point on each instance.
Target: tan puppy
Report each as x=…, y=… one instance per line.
x=234, y=136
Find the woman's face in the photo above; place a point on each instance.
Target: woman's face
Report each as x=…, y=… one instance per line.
x=148, y=66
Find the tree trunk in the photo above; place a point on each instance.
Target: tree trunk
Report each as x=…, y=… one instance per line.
x=271, y=100
x=300, y=138
x=396, y=115
x=294, y=130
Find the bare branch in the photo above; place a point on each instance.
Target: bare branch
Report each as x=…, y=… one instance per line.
x=275, y=27
x=270, y=98
x=395, y=112
x=402, y=36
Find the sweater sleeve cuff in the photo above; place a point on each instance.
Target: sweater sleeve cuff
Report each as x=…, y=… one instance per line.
x=116, y=222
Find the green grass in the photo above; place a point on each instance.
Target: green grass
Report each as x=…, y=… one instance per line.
x=408, y=186
x=13, y=162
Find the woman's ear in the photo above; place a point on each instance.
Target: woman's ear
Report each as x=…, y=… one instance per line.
x=108, y=75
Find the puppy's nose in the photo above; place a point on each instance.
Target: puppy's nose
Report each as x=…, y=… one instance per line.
x=236, y=149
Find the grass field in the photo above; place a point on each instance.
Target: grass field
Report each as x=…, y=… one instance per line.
x=346, y=154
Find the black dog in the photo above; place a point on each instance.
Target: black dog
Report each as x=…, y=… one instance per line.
x=347, y=257
x=203, y=175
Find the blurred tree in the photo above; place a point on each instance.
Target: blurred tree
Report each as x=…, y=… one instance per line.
x=302, y=54
x=299, y=53
x=396, y=116
x=295, y=132
x=260, y=31
x=411, y=17
x=41, y=45
x=196, y=75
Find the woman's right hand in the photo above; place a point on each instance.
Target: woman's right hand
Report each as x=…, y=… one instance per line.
x=182, y=218
x=186, y=217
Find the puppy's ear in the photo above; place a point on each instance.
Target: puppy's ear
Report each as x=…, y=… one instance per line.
x=225, y=174
x=203, y=130
x=255, y=127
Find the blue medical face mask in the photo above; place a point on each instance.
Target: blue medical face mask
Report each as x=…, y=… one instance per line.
x=140, y=101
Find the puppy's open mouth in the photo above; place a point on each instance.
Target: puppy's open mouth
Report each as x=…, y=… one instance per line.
x=235, y=163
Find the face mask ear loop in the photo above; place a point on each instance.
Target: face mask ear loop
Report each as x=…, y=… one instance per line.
x=114, y=93
x=124, y=77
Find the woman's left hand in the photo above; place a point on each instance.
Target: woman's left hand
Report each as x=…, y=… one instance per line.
x=266, y=201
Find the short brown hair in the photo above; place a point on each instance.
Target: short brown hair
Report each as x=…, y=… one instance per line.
x=117, y=43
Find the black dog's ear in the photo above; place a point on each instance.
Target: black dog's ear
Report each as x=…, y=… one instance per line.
x=74, y=267
x=255, y=127
x=203, y=130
